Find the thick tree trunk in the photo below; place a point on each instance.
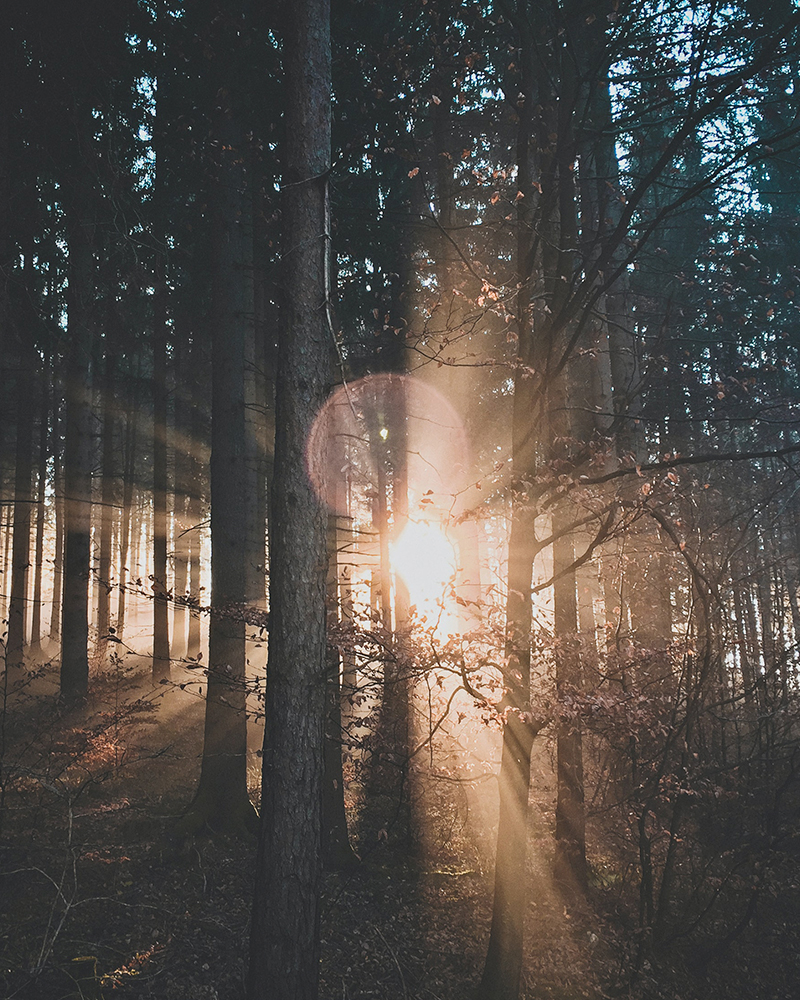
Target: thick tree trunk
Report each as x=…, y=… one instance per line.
x=284, y=944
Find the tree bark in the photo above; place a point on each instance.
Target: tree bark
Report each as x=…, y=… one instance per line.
x=41, y=491
x=131, y=424
x=503, y=967
x=222, y=802
x=337, y=854
x=23, y=502
x=78, y=428
x=58, y=516
x=161, y=656
x=284, y=943
x=104, y=568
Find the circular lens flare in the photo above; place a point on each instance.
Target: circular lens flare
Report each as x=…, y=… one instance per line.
x=426, y=560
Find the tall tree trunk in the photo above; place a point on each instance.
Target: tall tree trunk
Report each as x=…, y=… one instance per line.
x=104, y=568
x=222, y=801
x=337, y=853
x=284, y=943
x=195, y=505
x=23, y=502
x=58, y=517
x=41, y=508
x=160, y=586
x=570, y=860
x=503, y=966
x=181, y=503
x=78, y=428
x=129, y=467
x=161, y=664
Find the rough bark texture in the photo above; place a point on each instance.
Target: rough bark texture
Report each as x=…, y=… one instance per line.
x=284, y=946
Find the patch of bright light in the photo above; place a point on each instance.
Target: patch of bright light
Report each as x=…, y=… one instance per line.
x=426, y=560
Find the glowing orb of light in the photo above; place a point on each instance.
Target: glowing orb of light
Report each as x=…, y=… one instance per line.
x=363, y=429
x=426, y=560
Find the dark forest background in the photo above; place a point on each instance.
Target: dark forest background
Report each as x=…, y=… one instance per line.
x=279, y=284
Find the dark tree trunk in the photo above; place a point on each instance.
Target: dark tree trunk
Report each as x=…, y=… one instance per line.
x=284, y=944
x=161, y=665
x=41, y=491
x=23, y=502
x=58, y=517
x=222, y=802
x=337, y=854
x=160, y=586
x=570, y=859
x=129, y=459
x=180, y=507
x=104, y=569
x=194, y=503
x=78, y=432
x=503, y=966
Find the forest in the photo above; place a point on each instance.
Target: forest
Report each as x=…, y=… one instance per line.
x=400, y=499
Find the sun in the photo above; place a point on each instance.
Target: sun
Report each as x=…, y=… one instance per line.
x=426, y=559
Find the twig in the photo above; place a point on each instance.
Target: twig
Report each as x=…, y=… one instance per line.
x=389, y=947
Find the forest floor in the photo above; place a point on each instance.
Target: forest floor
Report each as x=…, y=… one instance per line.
x=88, y=867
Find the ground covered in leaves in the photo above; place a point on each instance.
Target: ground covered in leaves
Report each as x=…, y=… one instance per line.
x=89, y=869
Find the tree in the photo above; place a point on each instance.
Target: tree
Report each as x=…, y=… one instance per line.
x=222, y=802
x=284, y=942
